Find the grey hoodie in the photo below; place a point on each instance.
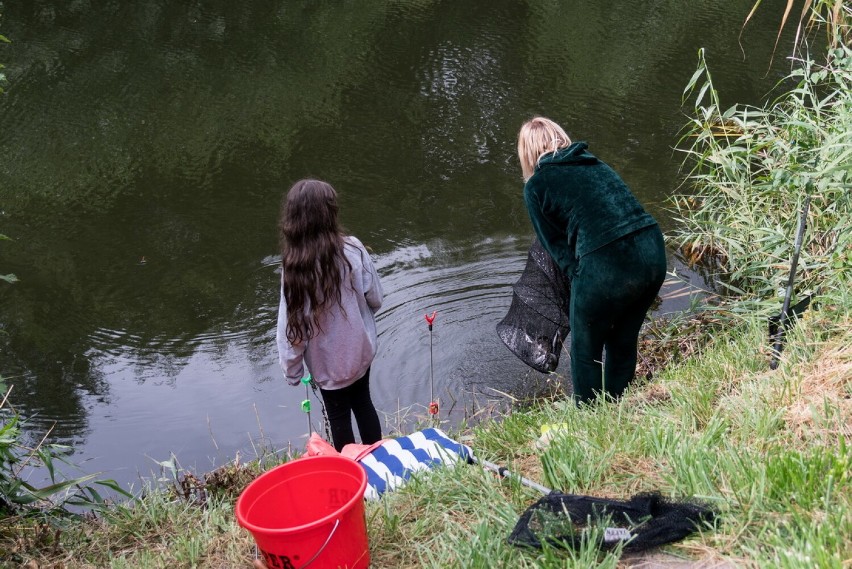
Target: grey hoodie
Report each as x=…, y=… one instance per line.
x=345, y=348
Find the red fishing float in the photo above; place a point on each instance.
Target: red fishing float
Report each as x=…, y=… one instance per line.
x=430, y=319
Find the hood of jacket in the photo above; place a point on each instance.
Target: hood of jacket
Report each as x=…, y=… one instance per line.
x=577, y=153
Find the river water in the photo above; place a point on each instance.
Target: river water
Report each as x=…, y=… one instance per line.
x=145, y=148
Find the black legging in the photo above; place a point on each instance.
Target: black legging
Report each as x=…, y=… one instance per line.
x=340, y=404
x=610, y=295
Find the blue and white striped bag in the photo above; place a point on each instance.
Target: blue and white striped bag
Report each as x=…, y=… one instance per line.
x=390, y=465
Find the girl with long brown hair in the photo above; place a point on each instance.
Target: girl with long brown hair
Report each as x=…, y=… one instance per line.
x=330, y=293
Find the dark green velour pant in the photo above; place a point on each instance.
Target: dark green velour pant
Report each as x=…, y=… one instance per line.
x=611, y=291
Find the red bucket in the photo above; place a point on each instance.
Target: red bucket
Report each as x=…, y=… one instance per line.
x=308, y=512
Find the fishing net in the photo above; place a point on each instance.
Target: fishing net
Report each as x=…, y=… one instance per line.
x=642, y=522
x=537, y=323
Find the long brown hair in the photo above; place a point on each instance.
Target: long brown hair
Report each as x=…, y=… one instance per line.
x=312, y=258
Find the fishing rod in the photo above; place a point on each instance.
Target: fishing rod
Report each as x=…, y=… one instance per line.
x=433, y=405
x=783, y=318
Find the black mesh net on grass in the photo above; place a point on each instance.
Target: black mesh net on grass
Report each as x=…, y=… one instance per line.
x=642, y=522
x=537, y=323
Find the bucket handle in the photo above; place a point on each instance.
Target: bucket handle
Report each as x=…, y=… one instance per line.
x=334, y=529
x=322, y=547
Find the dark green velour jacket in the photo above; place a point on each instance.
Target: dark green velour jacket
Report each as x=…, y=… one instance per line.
x=578, y=204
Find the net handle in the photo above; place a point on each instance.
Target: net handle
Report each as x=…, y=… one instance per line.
x=506, y=473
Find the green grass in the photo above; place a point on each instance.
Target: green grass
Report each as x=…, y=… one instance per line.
x=769, y=450
x=729, y=432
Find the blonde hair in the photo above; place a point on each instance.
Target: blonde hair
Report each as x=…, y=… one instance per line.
x=537, y=137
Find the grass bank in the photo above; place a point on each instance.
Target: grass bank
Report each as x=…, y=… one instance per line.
x=770, y=450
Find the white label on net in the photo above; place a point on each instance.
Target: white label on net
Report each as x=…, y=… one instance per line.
x=616, y=534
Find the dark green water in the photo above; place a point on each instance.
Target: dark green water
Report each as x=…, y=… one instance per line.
x=145, y=147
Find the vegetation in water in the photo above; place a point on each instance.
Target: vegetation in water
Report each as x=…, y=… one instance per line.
x=40, y=511
x=9, y=277
x=750, y=170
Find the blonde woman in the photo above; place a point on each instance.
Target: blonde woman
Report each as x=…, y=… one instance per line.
x=605, y=243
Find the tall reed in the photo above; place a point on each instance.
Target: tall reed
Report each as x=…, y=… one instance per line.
x=749, y=172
